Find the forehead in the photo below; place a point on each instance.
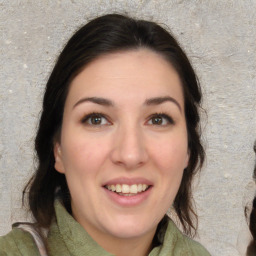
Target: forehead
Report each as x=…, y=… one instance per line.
x=140, y=73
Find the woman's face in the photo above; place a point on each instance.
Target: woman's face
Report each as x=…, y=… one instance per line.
x=123, y=145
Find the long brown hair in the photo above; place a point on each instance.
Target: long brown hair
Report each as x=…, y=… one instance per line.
x=251, y=250
x=104, y=35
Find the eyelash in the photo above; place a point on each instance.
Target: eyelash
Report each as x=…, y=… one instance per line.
x=86, y=118
x=94, y=114
x=169, y=119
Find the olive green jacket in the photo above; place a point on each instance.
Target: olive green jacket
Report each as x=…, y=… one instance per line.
x=67, y=237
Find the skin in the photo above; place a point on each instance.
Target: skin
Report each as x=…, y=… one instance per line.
x=131, y=139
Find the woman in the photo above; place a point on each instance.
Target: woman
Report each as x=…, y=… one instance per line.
x=118, y=144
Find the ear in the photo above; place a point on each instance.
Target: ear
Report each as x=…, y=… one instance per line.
x=59, y=166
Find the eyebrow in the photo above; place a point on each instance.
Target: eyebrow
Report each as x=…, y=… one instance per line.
x=96, y=100
x=148, y=102
x=160, y=100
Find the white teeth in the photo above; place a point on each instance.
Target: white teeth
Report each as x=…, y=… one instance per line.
x=134, y=189
x=126, y=189
x=118, y=188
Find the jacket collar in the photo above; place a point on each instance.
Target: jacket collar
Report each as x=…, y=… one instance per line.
x=69, y=235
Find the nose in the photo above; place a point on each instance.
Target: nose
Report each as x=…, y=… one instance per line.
x=129, y=148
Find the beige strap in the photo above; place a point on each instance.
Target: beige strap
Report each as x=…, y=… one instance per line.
x=37, y=238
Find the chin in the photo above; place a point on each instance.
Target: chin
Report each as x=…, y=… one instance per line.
x=127, y=227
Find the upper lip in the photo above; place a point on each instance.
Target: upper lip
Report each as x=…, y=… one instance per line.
x=128, y=181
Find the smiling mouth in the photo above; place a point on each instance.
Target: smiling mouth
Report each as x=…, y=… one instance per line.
x=127, y=190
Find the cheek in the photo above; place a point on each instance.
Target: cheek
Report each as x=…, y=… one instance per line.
x=171, y=154
x=83, y=155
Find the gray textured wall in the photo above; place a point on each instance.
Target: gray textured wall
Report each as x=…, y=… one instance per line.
x=219, y=37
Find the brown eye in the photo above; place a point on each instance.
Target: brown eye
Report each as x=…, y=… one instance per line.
x=95, y=120
x=160, y=120
x=157, y=120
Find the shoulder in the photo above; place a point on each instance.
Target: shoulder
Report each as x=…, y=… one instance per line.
x=195, y=248
x=16, y=243
x=184, y=245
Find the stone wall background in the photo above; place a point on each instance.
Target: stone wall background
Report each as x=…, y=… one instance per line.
x=218, y=36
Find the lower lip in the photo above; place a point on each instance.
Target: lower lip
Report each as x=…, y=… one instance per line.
x=128, y=200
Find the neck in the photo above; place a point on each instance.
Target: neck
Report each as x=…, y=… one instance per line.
x=139, y=246
x=127, y=247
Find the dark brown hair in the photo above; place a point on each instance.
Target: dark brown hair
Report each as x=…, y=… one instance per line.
x=251, y=250
x=105, y=35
